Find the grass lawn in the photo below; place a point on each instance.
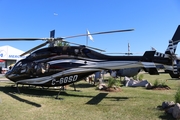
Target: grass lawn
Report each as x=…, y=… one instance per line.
x=87, y=104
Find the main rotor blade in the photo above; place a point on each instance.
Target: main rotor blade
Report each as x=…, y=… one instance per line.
x=60, y=38
x=124, y=53
x=85, y=46
x=107, y=32
x=35, y=48
x=23, y=39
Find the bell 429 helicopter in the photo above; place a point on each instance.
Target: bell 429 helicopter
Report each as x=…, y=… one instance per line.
x=63, y=65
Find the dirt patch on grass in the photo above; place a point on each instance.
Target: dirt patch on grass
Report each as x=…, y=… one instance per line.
x=160, y=87
x=112, y=89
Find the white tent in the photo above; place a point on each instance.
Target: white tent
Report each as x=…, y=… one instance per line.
x=10, y=53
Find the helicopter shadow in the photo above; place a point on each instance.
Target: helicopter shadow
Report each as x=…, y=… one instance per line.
x=174, y=79
x=81, y=85
x=99, y=97
x=165, y=116
x=39, y=92
x=10, y=92
x=23, y=100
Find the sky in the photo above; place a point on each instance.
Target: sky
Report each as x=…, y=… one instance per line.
x=154, y=22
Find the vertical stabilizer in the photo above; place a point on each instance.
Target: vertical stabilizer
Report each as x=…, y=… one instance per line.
x=173, y=43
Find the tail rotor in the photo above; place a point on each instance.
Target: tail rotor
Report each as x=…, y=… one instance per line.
x=173, y=56
x=170, y=54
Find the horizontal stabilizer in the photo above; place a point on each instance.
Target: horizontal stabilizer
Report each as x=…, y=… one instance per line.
x=172, y=74
x=151, y=71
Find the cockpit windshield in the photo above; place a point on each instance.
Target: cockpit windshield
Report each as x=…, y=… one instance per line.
x=18, y=67
x=19, y=63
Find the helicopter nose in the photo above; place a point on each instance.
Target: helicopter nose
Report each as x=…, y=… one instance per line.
x=7, y=74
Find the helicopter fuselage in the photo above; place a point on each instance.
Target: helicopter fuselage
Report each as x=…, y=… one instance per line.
x=58, y=66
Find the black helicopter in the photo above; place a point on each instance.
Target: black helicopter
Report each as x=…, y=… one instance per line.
x=62, y=65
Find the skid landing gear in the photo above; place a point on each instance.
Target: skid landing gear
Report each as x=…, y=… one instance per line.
x=60, y=89
x=75, y=88
x=17, y=88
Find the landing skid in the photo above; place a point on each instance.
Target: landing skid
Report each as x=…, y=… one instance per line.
x=60, y=89
x=75, y=88
x=57, y=97
x=17, y=88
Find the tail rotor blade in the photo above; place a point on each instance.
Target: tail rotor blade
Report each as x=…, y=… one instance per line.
x=175, y=70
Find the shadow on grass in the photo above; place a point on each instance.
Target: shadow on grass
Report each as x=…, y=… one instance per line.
x=96, y=99
x=165, y=116
x=37, y=92
x=99, y=97
x=81, y=85
x=11, y=92
x=174, y=79
x=31, y=91
x=23, y=100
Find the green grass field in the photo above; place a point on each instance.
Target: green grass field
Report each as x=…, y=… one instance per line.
x=87, y=104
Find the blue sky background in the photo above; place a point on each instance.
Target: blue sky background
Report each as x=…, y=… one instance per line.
x=154, y=21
